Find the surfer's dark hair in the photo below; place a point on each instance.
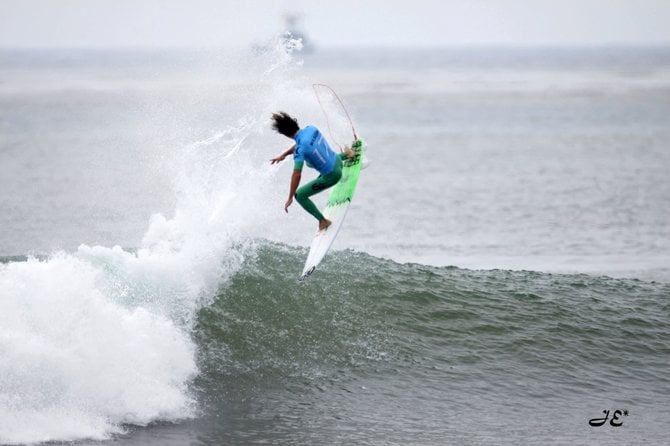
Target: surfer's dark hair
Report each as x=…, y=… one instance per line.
x=285, y=124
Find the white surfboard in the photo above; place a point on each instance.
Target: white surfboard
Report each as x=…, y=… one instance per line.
x=335, y=210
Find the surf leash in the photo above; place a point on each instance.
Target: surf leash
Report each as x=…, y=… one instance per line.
x=318, y=98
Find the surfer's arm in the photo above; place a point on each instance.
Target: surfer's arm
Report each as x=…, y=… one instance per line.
x=283, y=155
x=295, y=182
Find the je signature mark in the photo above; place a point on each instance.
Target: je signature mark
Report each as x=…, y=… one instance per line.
x=614, y=421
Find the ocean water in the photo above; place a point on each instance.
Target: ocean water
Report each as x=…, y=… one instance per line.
x=502, y=277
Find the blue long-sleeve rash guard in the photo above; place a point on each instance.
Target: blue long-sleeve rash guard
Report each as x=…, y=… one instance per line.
x=312, y=147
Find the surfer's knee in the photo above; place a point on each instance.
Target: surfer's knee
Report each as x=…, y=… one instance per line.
x=300, y=198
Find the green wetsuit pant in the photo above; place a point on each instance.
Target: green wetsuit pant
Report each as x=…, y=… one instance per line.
x=315, y=186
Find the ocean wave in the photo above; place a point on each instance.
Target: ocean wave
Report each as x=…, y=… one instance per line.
x=360, y=310
x=83, y=361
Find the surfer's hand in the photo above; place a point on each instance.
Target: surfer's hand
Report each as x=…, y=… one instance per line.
x=278, y=159
x=288, y=203
x=350, y=153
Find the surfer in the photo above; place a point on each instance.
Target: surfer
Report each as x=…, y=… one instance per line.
x=310, y=147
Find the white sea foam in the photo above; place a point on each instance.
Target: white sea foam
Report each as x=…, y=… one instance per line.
x=76, y=362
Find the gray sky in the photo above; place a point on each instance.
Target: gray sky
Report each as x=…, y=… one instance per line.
x=217, y=23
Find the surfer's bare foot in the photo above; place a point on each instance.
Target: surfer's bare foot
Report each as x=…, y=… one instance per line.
x=323, y=224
